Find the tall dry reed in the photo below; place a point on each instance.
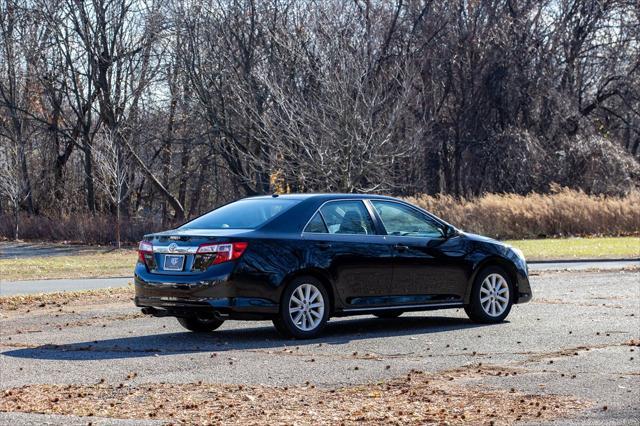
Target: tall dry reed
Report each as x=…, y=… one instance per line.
x=563, y=213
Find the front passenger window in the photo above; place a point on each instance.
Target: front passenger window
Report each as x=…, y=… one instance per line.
x=399, y=219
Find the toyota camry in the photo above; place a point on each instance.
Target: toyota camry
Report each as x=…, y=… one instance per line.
x=301, y=259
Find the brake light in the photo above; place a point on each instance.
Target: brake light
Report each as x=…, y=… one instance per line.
x=144, y=248
x=223, y=252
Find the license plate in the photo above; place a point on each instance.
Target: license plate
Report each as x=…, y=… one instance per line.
x=173, y=262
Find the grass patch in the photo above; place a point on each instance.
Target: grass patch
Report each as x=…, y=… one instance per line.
x=579, y=248
x=92, y=265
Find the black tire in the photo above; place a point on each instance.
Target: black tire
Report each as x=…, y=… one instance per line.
x=475, y=310
x=388, y=314
x=200, y=325
x=285, y=324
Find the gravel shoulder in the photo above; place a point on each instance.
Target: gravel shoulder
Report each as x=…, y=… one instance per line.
x=575, y=347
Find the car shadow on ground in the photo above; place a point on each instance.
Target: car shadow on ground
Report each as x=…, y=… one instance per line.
x=338, y=332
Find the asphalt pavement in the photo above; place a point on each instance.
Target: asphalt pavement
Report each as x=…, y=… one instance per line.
x=13, y=288
x=583, y=265
x=574, y=339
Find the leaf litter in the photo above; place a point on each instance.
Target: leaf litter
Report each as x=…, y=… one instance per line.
x=416, y=398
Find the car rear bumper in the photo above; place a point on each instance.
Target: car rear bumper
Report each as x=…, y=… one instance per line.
x=211, y=295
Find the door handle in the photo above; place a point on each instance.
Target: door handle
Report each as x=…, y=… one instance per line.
x=323, y=246
x=401, y=247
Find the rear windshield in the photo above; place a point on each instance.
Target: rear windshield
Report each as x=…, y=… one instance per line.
x=243, y=214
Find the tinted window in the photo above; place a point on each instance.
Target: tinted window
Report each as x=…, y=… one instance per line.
x=399, y=219
x=316, y=225
x=243, y=214
x=347, y=217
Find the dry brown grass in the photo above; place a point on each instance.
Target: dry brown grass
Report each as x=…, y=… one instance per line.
x=417, y=398
x=113, y=263
x=565, y=212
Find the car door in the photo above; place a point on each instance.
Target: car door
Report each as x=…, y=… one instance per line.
x=344, y=241
x=427, y=266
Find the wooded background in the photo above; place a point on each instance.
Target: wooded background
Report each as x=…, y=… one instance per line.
x=163, y=109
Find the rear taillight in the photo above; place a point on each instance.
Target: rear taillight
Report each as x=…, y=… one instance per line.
x=145, y=251
x=222, y=252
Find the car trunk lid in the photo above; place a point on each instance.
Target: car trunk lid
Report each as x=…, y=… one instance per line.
x=188, y=252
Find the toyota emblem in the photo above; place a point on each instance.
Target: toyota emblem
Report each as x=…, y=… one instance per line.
x=173, y=247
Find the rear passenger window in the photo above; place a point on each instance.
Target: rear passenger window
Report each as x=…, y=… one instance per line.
x=316, y=225
x=347, y=217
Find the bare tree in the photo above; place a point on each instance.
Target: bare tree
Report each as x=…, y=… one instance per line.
x=206, y=101
x=11, y=182
x=113, y=166
x=16, y=88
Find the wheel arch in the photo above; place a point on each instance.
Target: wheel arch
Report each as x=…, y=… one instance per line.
x=501, y=262
x=317, y=274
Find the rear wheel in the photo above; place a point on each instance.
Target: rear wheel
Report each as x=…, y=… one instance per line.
x=200, y=324
x=304, y=309
x=491, y=296
x=388, y=314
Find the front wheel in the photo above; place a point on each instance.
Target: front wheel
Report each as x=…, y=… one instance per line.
x=200, y=324
x=304, y=309
x=491, y=296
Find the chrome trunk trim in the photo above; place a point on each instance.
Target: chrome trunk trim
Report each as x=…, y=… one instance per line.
x=173, y=248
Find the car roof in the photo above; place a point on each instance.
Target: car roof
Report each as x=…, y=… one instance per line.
x=323, y=196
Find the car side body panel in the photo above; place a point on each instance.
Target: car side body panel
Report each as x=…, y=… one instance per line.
x=357, y=267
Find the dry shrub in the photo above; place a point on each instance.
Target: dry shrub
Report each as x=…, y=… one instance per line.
x=80, y=228
x=518, y=163
x=565, y=212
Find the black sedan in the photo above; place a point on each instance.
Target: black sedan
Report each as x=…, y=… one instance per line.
x=301, y=259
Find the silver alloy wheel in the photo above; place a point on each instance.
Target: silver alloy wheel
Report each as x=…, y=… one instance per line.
x=494, y=295
x=306, y=307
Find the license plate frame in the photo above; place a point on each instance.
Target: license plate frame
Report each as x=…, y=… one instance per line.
x=175, y=264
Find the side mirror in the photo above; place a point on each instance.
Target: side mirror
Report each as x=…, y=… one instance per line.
x=450, y=231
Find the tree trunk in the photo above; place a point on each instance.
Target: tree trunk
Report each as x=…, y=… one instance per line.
x=27, y=193
x=16, y=215
x=88, y=175
x=635, y=151
x=184, y=165
x=118, y=238
x=197, y=193
x=165, y=157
